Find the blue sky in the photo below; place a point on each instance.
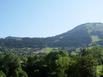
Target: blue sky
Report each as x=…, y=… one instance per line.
x=43, y=18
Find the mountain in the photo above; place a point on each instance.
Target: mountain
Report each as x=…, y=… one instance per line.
x=80, y=36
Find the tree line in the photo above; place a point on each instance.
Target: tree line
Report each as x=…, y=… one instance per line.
x=81, y=62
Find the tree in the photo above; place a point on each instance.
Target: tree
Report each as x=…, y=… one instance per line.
x=2, y=74
x=10, y=63
x=57, y=63
x=35, y=67
x=20, y=73
x=83, y=66
x=86, y=66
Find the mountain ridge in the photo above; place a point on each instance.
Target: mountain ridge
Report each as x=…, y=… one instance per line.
x=80, y=36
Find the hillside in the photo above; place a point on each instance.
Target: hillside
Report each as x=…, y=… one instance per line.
x=80, y=36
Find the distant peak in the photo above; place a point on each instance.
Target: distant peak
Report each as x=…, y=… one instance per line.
x=92, y=23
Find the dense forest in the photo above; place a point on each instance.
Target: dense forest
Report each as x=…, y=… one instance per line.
x=51, y=62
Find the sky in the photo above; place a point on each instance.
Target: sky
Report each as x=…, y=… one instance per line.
x=45, y=18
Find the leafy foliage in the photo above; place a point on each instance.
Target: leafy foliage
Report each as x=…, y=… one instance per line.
x=79, y=62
